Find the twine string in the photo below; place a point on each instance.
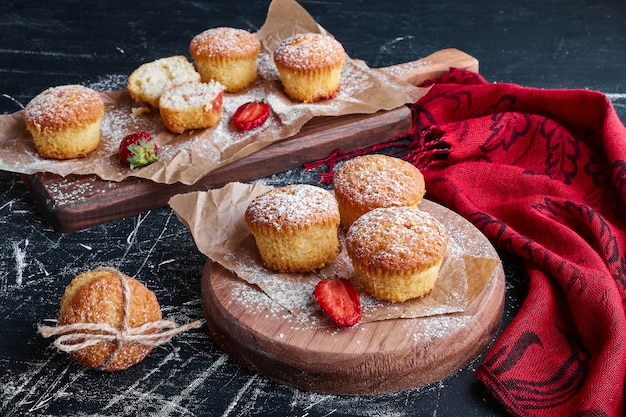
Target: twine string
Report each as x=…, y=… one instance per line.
x=77, y=336
x=70, y=334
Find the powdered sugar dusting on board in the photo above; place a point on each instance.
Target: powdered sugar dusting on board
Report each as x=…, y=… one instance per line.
x=435, y=327
x=68, y=190
x=258, y=302
x=291, y=292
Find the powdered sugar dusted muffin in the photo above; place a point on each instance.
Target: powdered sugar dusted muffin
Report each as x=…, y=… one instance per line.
x=226, y=55
x=97, y=297
x=371, y=181
x=192, y=105
x=147, y=83
x=295, y=227
x=396, y=252
x=310, y=65
x=65, y=121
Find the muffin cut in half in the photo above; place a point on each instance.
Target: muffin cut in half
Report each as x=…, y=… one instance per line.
x=192, y=105
x=147, y=83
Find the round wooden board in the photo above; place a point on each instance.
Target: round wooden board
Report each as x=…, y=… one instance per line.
x=370, y=358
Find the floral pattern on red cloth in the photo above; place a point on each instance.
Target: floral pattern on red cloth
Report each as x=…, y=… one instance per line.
x=542, y=173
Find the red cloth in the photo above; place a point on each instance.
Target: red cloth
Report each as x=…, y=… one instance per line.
x=542, y=173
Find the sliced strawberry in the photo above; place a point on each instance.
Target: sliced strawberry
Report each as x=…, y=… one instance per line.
x=251, y=115
x=138, y=149
x=340, y=299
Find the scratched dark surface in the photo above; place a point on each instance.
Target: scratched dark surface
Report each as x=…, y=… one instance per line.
x=541, y=43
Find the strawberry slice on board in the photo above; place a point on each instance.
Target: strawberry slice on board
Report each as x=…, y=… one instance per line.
x=251, y=115
x=138, y=149
x=340, y=300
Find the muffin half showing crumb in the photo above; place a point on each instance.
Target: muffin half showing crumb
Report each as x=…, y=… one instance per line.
x=192, y=105
x=148, y=82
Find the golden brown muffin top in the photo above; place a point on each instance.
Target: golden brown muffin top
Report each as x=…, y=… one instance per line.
x=291, y=207
x=62, y=106
x=397, y=239
x=372, y=181
x=309, y=51
x=225, y=42
x=97, y=297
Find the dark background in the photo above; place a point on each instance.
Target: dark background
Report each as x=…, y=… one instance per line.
x=538, y=43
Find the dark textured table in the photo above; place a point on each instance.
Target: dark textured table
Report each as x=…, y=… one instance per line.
x=547, y=43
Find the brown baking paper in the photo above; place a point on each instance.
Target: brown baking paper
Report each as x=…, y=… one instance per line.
x=216, y=221
x=188, y=157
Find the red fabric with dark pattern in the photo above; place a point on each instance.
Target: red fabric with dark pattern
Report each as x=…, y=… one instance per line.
x=542, y=173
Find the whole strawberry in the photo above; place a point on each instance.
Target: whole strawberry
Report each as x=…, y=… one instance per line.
x=138, y=150
x=340, y=300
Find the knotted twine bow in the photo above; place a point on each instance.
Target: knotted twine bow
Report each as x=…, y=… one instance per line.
x=78, y=336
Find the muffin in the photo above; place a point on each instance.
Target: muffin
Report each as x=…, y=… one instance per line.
x=192, y=105
x=147, y=83
x=396, y=252
x=226, y=55
x=98, y=297
x=371, y=181
x=65, y=121
x=295, y=227
x=310, y=65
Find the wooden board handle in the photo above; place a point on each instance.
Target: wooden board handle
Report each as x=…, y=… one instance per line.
x=434, y=65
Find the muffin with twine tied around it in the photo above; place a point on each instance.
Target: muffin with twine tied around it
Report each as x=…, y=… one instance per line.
x=110, y=321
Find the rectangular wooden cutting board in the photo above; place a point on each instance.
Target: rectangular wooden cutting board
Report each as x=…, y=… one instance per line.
x=77, y=202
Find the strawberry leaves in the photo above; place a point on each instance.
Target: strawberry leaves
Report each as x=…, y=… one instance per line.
x=138, y=150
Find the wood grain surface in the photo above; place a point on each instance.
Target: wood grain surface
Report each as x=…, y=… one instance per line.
x=370, y=358
x=76, y=202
